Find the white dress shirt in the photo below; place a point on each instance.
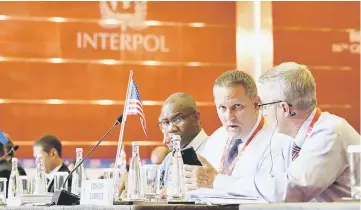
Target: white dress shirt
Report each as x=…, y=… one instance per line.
x=321, y=171
x=50, y=176
x=216, y=143
x=263, y=148
x=198, y=142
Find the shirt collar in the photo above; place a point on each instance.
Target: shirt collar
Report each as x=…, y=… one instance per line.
x=198, y=140
x=300, y=137
x=51, y=175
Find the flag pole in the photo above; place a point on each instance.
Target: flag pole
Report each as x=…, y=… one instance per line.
x=118, y=163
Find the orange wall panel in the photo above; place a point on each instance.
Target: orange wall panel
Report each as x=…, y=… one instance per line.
x=316, y=14
x=311, y=33
x=29, y=39
x=189, y=60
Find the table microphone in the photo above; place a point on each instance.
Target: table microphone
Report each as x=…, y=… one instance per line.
x=13, y=149
x=63, y=197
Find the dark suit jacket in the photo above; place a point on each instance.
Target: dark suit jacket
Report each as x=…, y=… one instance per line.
x=61, y=169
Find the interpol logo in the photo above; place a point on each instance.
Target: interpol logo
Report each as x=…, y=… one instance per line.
x=122, y=15
x=133, y=14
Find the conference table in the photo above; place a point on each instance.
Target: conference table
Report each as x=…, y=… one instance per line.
x=273, y=206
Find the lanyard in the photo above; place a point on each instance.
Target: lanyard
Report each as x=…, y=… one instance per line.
x=309, y=130
x=225, y=152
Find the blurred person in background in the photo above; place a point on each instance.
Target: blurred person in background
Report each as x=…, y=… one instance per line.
x=158, y=154
x=51, y=149
x=5, y=163
x=71, y=165
x=7, y=147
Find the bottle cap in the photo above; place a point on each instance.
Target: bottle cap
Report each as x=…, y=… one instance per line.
x=134, y=143
x=14, y=159
x=79, y=150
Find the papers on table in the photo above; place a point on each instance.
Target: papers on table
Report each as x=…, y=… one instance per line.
x=212, y=196
x=30, y=200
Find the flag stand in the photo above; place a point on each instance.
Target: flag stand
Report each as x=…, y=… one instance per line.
x=118, y=160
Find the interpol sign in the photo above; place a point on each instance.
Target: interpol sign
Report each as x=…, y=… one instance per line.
x=124, y=40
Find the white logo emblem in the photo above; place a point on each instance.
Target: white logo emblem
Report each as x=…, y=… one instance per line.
x=110, y=18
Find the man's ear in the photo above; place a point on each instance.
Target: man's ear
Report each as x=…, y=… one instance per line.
x=256, y=102
x=286, y=109
x=198, y=114
x=53, y=153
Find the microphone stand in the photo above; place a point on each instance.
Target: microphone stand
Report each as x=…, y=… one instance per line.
x=63, y=197
x=13, y=149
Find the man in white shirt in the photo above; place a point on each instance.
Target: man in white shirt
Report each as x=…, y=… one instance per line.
x=51, y=149
x=237, y=148
x=318, y=165
x=180, y=116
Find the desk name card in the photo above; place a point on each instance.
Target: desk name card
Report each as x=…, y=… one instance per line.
x=98, y=192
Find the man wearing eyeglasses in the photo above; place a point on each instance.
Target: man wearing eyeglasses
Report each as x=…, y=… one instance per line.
x=180, y=116
x=238, y=148
x=318, y=168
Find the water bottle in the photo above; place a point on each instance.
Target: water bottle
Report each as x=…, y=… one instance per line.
x=79, y=175
x=40, y=184
x=176, y=183
x=135, y=190
x=15, y=183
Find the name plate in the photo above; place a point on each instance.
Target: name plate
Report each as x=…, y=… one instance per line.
x=97, y=192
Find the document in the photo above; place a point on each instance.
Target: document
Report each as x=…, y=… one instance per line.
x=212, y=196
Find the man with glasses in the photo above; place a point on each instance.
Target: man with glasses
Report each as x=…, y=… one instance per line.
x=180, y=116
x=239, y=146
x=318, y=168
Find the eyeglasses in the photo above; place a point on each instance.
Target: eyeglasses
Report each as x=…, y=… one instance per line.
x=177, y=121
x=263, y=107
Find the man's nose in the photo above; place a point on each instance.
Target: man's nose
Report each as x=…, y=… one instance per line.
x=230, y=115
x=172, y=128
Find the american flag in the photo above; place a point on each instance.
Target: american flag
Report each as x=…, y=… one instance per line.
x=135, y=106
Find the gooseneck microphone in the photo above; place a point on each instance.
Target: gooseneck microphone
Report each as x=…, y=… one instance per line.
x=13, y=149
x=63, y=197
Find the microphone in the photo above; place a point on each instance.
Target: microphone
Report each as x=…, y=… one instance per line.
x=63, y=197
x=13, y=149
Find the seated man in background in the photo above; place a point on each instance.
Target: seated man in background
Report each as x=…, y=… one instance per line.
x=51, y=149
x=71, y=165
x=158, y=154
x=7, y=147
x=179, y=116
x=244, y=140
x=5, y=166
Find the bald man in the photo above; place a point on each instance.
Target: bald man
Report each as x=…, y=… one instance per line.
x=159, y=154
x=180, y=116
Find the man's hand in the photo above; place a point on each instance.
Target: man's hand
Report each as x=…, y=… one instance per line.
x=163, y=193
x=123, y=185
x=200, y=176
